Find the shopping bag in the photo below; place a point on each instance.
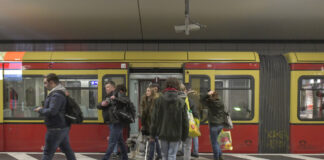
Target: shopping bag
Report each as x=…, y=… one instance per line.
x=193, y=126
x=225, y=140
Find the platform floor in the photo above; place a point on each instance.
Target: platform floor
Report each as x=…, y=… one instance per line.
x=203, y=156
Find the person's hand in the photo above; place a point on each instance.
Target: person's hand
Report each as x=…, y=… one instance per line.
x=112, y=97
x=211, y=92
x=104, y=103
x=37, y=109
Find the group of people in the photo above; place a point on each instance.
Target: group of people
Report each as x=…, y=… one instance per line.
x=164, y=117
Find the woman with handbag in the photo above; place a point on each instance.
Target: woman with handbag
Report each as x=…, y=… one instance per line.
x=216, y=118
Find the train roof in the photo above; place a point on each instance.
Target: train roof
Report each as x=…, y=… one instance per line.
x=129, y=56
x=305, y=57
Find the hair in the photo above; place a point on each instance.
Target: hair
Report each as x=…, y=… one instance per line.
x=112, y=83
x=154, y=85
x=173, y=83
x=52, y=77
x=121, y=87
x=182, y=87
x=214, y=96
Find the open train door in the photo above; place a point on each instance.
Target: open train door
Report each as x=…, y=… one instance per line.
x=235, y=76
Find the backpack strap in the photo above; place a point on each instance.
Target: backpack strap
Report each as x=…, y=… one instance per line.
x=187, y=103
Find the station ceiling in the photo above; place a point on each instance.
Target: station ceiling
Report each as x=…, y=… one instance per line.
x=155, y=19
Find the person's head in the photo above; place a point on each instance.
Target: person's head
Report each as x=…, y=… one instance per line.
x=110, y=87
x=51, y=81
x=214, y=96
x=155, y=86
x=149, y=91
x=188, y=86
x=121, y=88
x=173, y=83
x=183, y=88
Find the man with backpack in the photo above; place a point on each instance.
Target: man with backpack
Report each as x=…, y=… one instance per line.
x=109, y=108
x=54, y=109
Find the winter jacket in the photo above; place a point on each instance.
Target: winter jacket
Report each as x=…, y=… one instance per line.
x=216, y=114
x=54, y=108
x=107, y=111
x=169, y=117
x=147, y=104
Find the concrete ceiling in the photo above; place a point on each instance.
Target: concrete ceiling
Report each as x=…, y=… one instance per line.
x=155, y=19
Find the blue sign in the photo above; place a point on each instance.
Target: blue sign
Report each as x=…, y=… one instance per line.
x=94, y=83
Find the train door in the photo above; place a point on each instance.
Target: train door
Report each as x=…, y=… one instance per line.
x=238, y=87
x=137, y=88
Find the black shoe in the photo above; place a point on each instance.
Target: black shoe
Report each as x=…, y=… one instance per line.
x=158, y=157
x=179, y=153
x=194, y=155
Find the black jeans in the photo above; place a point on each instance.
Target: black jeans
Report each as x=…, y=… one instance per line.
x=57, y=137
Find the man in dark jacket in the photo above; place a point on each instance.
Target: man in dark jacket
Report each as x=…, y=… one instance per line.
x=169, y=120
x=57, y=134
x=108, y=105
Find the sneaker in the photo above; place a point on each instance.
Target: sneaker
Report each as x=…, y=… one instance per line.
x=194, y=155
x=179, y=153
x=114, y=156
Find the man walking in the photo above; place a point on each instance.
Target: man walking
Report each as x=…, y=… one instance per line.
x=57, y=134
x=108, y=105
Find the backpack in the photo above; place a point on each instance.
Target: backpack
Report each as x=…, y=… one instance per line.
x=73, y=113
x=125, y=113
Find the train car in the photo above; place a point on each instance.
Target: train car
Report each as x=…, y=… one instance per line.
x=235, y=75
x=306, y=102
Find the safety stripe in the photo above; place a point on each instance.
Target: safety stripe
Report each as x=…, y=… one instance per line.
x=307, y=66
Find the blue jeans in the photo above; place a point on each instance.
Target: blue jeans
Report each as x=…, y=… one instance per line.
x=195, y=145
x=169, y=150
x=116, y=137
x=57, y=137
x=214, y=131
x=152, y=148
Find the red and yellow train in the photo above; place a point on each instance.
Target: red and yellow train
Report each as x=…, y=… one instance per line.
x=235, y=75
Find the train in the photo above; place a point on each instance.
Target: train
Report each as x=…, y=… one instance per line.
x=276, y=102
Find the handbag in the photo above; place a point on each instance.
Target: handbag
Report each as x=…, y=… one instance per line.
x=228, y=124
x=193, y=126
x=224, y=140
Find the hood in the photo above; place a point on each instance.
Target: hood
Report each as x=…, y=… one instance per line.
x=57, y=88
x=170, y=96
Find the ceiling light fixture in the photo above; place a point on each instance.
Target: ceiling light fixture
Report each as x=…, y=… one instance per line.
x=189, y=24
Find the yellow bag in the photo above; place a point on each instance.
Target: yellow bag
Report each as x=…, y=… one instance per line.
x=193, y=127
x=225, y=140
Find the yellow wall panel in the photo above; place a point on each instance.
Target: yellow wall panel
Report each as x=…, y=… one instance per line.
x=223, y=56
x=156, y=56
x=88, y=56
x=37, y=56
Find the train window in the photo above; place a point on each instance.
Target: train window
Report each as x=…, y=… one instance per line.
x=200, y=84
x=311, y=98
x=236, y=92
x=84, y=90
x=118, y=79
x=21, y=95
